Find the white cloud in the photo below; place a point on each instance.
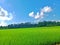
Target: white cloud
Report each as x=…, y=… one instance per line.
x=2, y=23
x=41, y=13
x=31, y=14
x=37, y=16
x=4, y=16
x=46, y=9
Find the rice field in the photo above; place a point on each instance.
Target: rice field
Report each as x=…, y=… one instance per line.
x=30, y=36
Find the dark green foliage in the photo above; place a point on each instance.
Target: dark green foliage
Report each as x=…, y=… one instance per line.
x=39, y=24
x=28, y=24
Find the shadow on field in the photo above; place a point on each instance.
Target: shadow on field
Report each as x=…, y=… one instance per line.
x=56, y=43
x=50, y=43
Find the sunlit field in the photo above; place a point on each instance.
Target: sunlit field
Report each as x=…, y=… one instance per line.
x=30, y=36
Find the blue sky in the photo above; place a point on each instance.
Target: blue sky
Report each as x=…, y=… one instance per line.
x=21, y=9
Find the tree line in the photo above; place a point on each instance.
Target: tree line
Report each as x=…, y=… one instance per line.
x=28, y=24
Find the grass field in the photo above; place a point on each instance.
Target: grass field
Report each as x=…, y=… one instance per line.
x=30, y=36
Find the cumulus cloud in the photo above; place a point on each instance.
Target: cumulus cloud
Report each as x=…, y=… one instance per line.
x=31, y=14
x=2, y=23
x=46, y=9
x=37, y=15
x=4, y=16
x=41, y=13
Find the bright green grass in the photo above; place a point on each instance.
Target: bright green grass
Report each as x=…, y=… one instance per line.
x=30, y=36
